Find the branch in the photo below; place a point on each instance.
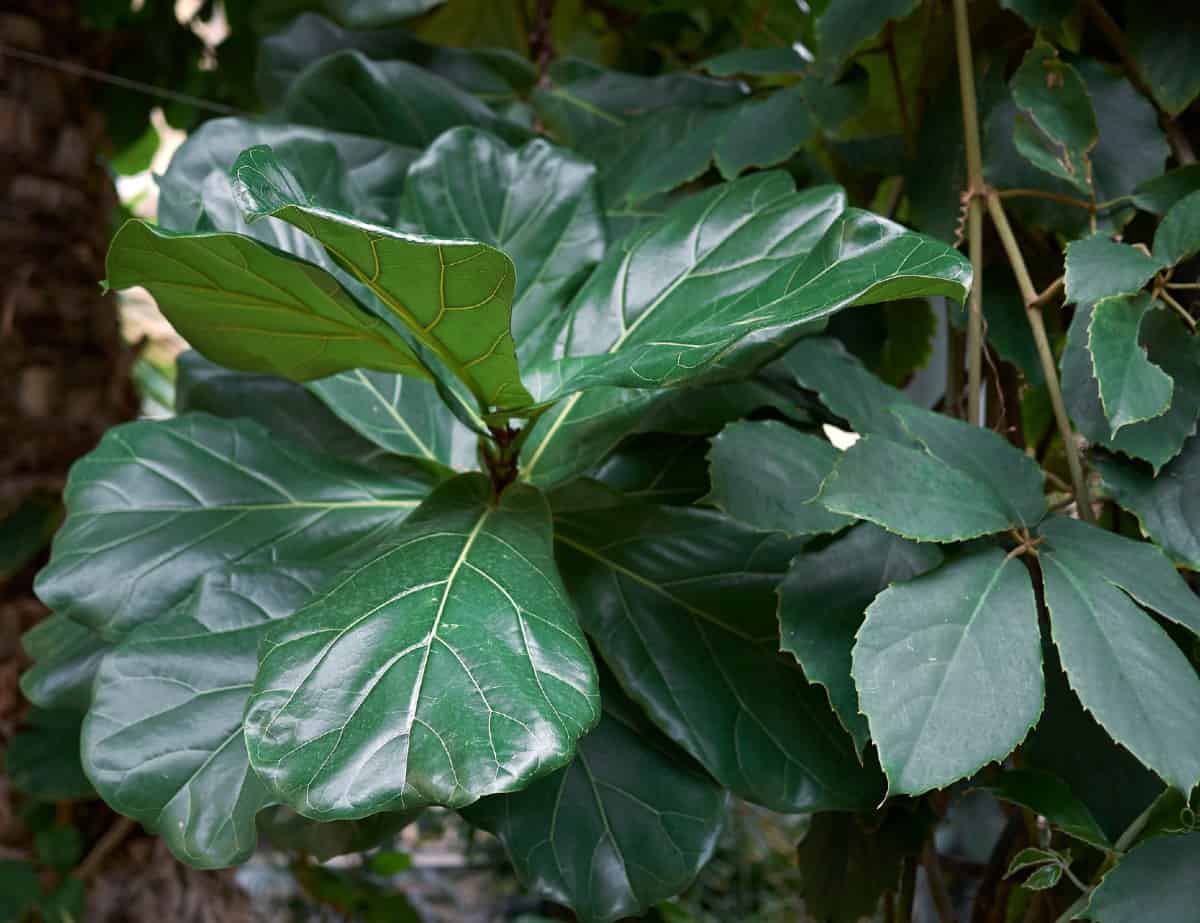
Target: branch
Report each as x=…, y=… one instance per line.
x=113, y=837
x=1033, y=312
x=937, y=884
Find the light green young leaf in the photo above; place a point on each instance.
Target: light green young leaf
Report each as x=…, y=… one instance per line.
x=949, y=670
x=158, y=504
x=767, y=475
x=1178, y=235
x=822, y=601
x=1099, y=267
x=1132, y=388
x=452, y=296
x=163, y=739
x=1167, y=506
x=626, y=825
x=1160, y=874
x=447, y=668
x=1044, y=878
x=1054, y=96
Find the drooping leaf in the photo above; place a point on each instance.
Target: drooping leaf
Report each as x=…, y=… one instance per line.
x=1132, y=388
x=658, y=468
x=843, y=27
x=1167, y=506
x=767, y=475
x=1099, y=267
x=1125, y=668
x=1167, y=346
x=252, y=308
x=822, y=601
x=42, y=760
x=163, y=739
x=627, y=824
x=1049, y=796
x=65, y=658
x=158, y=504
x=1159, y=875
x=454, y=297
x=537, y=203
x=1044, y=878
x=1178, y=235
x=1163, y=40
x=462, y=627
x=680, y=603
x=847, y=388
x=1062, y=130
x=949, y=670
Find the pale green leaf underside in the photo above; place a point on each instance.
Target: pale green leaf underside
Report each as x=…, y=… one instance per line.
x=447, y=668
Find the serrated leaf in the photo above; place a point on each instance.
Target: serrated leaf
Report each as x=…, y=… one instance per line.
x=767, y=475
x=1132, y=388
x=42, y=759
x=65, y=658
x=1163, y=41
x=538, y=203
x=1178, y=235
x=674, y=597
x=163, y=739
x=626, y=825
x=1167, y=506
x=1044, y=878
x=1157, y=440
x=454, y=297
x=949, y=670
x=1126, y=669
x=462, y=626
x=822, y=601
x=1054, y=96
x=1159, y=874
x=1157, y=194
x=158, y=504
x=249, y=307
x=1047, y=795
x=1099, y=267
x=1031, y=857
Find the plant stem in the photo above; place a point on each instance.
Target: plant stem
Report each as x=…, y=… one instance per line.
x=910, y=141
x=908, y=891
x=937, y=884
x=975, y=189
x=1184, y=285
x=1177, y=308
x=1043, y=194
x=1033, y=312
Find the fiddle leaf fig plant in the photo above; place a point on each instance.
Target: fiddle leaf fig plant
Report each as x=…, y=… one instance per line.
x=534, y=460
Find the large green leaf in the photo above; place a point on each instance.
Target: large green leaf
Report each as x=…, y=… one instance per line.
x=767, y=475
x=626, y=825
x=1167, y=346
x=163, y=739
x=1063, y=129
x=66, y=656
x=1132, y=388
x=253, y=308
x=1159, y=876
x=1178, y=235
x=844, y=26
x=158, y=504
x=1164, y=40
x=353, y=14
x=822, y=601
x=680, y=602
x=949, y=670
x=658, y=468
x=1157, y=194
x=447, y=668
x=1050, y=797
x=1167, y=506
x=1099, y=267
x=390, y=100
x=1125, y=668
x=537, y=203
x=454, y=297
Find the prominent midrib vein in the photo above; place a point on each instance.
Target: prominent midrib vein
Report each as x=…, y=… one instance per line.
x=395, y=415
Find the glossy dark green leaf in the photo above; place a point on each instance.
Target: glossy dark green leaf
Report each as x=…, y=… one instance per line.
x=492, y=75
x=389, y=100
x=1167, y=346
x=627, y=824
x=949, y=670
x=1160, y=875
x=754, y=62
x=255, y=309
x=1099, y=267
x=1178, y=235
x=462, y=627
x=454, y=297
x=1049, y=796
x=767, y=475
x=65, y=658
x=163, y=739
x=846, y=387
x=1164, y=40
x=324, y=841
x=680, y=603
x=538, y=203
x=658, y=468
x=822, y=601
x=847, y=862
x=1167, y=506
x=1132, y=388
x=157, y=505
x=1157, y=194
x=1056, y=101
x=353, y=14
x=704, y=411
x=843, y=27
x=42, y=760
x=1125, y=668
